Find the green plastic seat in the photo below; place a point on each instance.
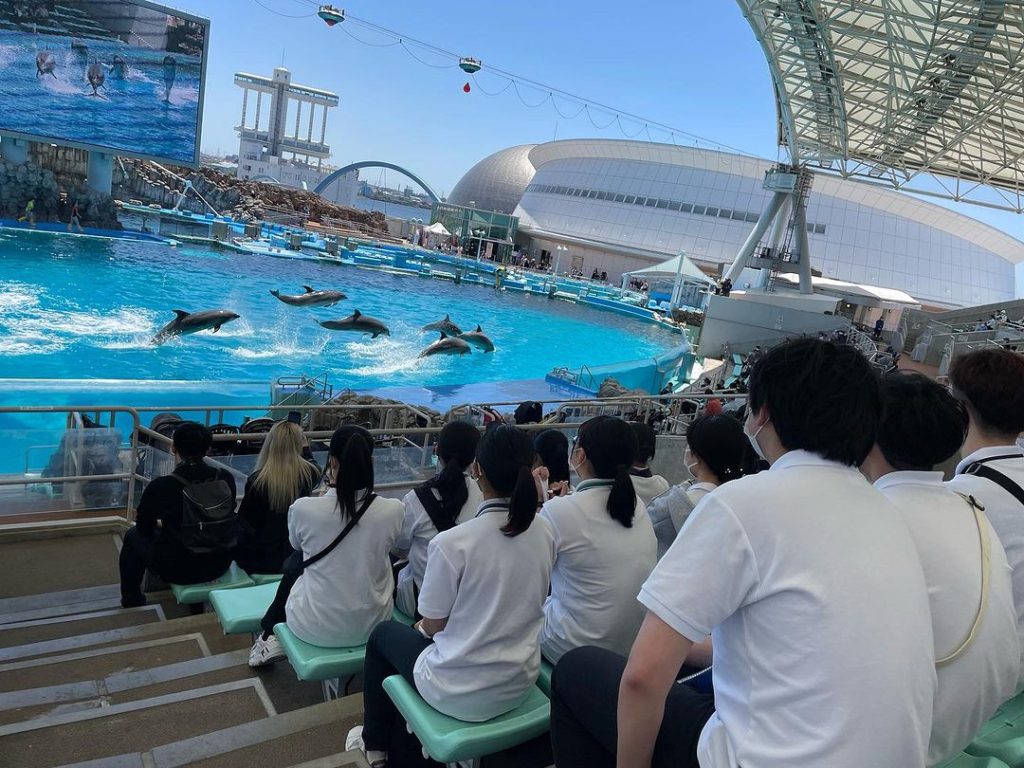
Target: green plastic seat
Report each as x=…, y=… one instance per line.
x=241, y=610
x=313, y=662
x=265, y=578
x=190, y=594
x=397, y=615
x=1002, y=737
x=448, y=740
x=964, y=760
x=544, y=681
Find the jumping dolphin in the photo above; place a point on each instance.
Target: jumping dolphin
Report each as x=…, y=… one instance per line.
x=445, y=327
x=446, y=345
x=311, y=298
x=170, y=72
x=119, y=68
x=359, y=323
x=478, y=339
x=191, y=322
x=95, y=76
x=45, y=64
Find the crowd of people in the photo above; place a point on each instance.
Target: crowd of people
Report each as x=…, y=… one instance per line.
x=843, y=602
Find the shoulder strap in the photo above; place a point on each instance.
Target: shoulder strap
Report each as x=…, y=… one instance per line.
x=344, y=532
x=986, y=567
x=978, y=468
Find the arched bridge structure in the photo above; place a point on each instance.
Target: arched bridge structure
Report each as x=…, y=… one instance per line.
x=323, y=185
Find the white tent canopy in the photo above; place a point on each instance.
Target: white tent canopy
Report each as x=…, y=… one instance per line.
x=437, y=228
x=669, y=269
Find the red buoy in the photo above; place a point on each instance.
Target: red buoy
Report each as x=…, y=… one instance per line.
x=466, y=88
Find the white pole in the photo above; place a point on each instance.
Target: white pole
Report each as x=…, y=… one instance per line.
x=677, y=287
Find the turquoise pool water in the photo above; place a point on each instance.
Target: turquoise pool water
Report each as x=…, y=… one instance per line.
x=85, y=310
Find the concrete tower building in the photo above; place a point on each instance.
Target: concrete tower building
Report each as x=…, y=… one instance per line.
x=282, y=133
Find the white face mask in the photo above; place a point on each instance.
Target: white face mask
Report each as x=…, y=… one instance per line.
x=575, y=467
x=691, y=466
x=753, y=440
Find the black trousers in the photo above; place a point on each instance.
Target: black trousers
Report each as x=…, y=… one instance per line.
x=136, y=555
x=584, y=728
x=392, y=650
x=291, y=569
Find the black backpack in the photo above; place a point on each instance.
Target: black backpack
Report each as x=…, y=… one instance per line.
x=209, y=522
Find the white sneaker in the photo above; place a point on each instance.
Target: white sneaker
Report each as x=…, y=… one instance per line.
x=265, y=652
x=354, y=741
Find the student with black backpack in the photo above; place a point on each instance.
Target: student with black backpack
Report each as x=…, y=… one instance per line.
x=186, y=526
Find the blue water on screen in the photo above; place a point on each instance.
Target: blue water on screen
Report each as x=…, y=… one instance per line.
x=136, y=113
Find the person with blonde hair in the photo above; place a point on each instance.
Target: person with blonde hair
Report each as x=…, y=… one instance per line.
x=282, y=475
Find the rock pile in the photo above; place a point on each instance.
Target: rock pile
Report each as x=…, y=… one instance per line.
x=22, y=182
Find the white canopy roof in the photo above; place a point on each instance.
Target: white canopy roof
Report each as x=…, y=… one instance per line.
x=668, y=269
x=437, y=228
x=889, y=89
x=884, y=297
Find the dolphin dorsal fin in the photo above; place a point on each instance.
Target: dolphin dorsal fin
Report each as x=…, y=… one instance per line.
x=447, y=318
x=479, y=329
x=357, y=313
x=181, y=313
x=442, y=337
x=308, y=289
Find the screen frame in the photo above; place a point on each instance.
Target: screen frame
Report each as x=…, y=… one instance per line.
x=112, y=151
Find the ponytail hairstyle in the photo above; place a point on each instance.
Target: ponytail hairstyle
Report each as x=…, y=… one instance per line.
x=719, y=442
x=553, y=451
x=611, y=447
x=352, y=448
x=505, y=455
x=456, y=448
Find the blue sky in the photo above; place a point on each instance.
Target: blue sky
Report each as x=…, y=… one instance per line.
x=691, y=65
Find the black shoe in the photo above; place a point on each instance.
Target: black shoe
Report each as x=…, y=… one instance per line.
x=134, y=603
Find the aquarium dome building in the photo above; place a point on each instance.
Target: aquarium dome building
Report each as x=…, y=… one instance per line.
x=617, y=206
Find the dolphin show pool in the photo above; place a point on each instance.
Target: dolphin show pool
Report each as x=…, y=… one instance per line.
x=78, y=315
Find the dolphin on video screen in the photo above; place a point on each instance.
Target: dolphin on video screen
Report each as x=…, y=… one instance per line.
x=186, y=323
x=170, y=72
x=95, y=75
x=446, y=345
x=359, y=323
x=45, y=64
x=445, y=327
x=311, y=298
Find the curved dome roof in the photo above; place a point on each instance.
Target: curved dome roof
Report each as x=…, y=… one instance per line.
x=497, y=182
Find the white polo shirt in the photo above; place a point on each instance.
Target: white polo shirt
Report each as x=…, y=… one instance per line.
x=417, y=532
x=669, y=511
x=972, y=686
x=649, y=488
x=491, y=588
x=599, y=567
x=1004, y=512
x=338, y=600
x=809, y=584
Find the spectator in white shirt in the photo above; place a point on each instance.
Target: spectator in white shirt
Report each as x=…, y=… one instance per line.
x=476, y=652
x=604, y=543
x=647, y=484
x=810, y=586
x=716, y=452
x=444, y=501
x=973, y=619
x=337, y=585
x=991, y=384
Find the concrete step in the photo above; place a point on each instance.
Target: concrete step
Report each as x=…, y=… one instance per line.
x=34, y=567
x=205, y=624
x=132, y=726
x=39, y=630
x=312, y=737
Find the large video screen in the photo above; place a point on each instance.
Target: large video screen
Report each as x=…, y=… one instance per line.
x=117, y=75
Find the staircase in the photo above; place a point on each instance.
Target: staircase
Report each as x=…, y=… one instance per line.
x=84, y=682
